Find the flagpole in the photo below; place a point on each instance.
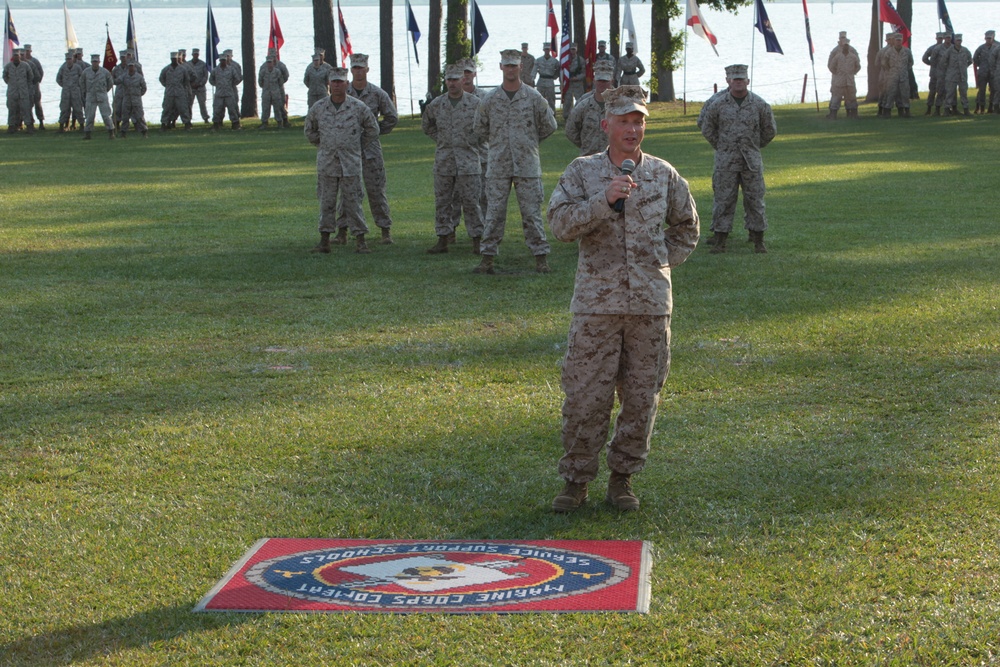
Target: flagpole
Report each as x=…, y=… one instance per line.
x=685, y=71
x=409, y=75
x=753, y=43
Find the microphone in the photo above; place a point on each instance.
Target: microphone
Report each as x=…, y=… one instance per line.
x=628, y=166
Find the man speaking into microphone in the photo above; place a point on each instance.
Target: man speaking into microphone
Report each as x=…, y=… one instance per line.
x=635, y=219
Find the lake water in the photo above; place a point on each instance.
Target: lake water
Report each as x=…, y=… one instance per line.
x=778, y=78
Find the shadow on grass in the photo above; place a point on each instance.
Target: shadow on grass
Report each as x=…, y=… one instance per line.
x=85, y=642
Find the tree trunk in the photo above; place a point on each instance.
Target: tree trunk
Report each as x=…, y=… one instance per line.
x=248, y=107
x=457, y=27
x=324, y=30
x=661, y=72
x=388, y=80
x=579, y=27
x=434, y=48
x=905, y=9
x=874, y=44
x=614, y=30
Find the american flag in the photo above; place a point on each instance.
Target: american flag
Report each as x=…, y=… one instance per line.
x=564, y=48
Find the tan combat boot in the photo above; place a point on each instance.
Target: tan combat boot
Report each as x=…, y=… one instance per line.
x=620, y=492
x=758, y=243
x=324, y=243
x=386, y=236
x=541, y=265
x=341, y=237
x=362, y=247
x=572, y=496
x=475, y=245
x=440, y=247
x=485, y=265
x=720, y=243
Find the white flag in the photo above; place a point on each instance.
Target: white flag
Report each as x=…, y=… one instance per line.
x=698, y=25
x=628, y=27
x=71, y=40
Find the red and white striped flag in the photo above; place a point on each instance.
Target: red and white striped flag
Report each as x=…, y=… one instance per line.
x=698, y=25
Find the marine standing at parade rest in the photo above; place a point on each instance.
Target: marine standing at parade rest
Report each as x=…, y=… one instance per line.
x=457, y=172
x=271, y=80
x=737, y=125
x=36, y=93
x=604, y=56
x=930, y=59
x=843, y=63
x=70, y=100
x=20, y=79
x=635, y=220
x=896, y=66
x=174, y=79
x=133, y=86
x=630, y=68
x=381, y=106
x=545, y=74
x=199, y=84
x=95, y=82
x=225, y=78
x=940, y=63
x=584, y=127
x=317, y=79
x=956, y=77
x=577, y=78
x=117, y=73
x=981, y=66
x=340, y=126
x=469, y=86
x=514, y=118
x=527, y=65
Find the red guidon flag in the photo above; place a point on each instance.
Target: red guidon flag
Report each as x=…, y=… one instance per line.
x=888, y=14
x=275, y=40
x=110, y=59
x=698, y=25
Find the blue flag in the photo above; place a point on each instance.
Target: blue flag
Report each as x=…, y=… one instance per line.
x=130, y=40
x=413, y=28
x=211, y=40
x=479, y=32
x=764, y=25
x=944, y=18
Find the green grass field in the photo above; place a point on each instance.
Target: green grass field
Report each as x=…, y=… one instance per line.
x=181, y=377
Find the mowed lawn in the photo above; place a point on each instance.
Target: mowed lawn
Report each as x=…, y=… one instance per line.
x=181, y=377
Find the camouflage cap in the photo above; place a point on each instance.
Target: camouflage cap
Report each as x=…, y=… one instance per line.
x=182, y=51
x=359, y=60
x=272, y=51
x=455, y=71
x=317, y=56
x=629, y=45
x=70, y=54
x=991, y=33
x=601, y=43
x=469, y=65
x=510, y=57
x=228, y=53
x=339, y=74
x=736, y=72
x=26, y=47
x=195, y=52
x=173, y=55
x=939, y=35
x=123, y=53
x=603, y=70
x=625, y=99
x=524, y=45
x=95, y=57
x=269, y=59
x=957, y=37
x=79, y=50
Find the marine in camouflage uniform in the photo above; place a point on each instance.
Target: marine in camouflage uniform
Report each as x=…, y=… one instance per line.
x=930, y=58
x=604, y=57
x=340, y=126
x=381, y=106
x=317, y=79
x=36, y=93
x=545, y=74
x=527, y=65
x=883, y=80
x=271, y=80
x=956, y=77
x=457, y=172
x=843, y=63
x=199, y=84
x=896, y=73
x=630, y=68
x=577, y=80
x=20, y=79
x=117, y=73
x=71, y=99
x=469, y=86
x=583, y=127
x=514, y=118
x=737, y=125
x=619, y=337
x=981, y=60
x=133, y=87
x=175, y=78
x=225, y=78
x=95, y=83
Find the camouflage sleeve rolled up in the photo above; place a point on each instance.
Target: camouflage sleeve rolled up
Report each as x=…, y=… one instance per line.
x=625, y=258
